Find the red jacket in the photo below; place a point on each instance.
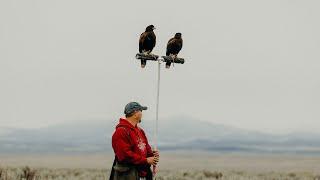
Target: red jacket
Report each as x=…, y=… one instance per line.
x=130, y=145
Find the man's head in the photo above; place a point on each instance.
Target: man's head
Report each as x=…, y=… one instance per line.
x=133, y=110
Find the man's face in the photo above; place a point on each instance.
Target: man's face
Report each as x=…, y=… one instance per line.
x=138, y=116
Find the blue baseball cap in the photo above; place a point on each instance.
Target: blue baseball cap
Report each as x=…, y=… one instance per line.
x=132, y=107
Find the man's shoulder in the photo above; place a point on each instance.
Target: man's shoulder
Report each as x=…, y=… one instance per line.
x=121, y=130
x=140, y=129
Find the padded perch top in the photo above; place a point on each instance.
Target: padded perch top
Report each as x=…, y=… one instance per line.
x=153, y=57
x=143, y=56
x=174, y=60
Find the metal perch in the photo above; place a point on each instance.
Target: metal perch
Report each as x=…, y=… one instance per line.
x=153, y=57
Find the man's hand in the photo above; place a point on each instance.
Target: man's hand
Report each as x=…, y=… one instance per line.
x=156, y=153
x=153, y=160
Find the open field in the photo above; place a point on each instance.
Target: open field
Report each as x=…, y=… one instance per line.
x=173, y=165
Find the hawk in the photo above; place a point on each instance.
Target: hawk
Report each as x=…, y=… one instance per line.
x=173, y=47
x=147, y=42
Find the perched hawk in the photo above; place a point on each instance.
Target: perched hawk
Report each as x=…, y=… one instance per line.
x=147, y=41
x=173, y=47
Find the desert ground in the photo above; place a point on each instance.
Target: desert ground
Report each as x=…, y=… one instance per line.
x=173, y=165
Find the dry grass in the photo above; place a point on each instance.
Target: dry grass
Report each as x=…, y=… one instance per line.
x=174, y=166
x=26, y=173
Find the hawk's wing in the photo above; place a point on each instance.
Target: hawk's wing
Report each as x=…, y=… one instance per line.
x=174, y=46
x=147, y=41
x=142, y=39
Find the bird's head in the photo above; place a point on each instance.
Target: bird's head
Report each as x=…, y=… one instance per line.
x=150, y=28
x=177, y=35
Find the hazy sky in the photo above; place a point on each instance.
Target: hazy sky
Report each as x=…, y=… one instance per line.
x=251, y=64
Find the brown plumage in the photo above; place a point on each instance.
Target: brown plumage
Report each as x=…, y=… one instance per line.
x=173, y=47
x=147, y=42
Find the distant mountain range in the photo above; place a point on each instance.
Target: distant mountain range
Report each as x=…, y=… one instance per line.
x=174, y=134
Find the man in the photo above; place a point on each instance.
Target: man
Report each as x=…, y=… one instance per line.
x=133, y=154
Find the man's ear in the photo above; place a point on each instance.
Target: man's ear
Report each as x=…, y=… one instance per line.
x=135, y=114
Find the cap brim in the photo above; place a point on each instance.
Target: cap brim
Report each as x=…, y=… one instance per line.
x=144, y=108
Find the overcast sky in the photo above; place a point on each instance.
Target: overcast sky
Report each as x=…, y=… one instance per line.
x=250, y=64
